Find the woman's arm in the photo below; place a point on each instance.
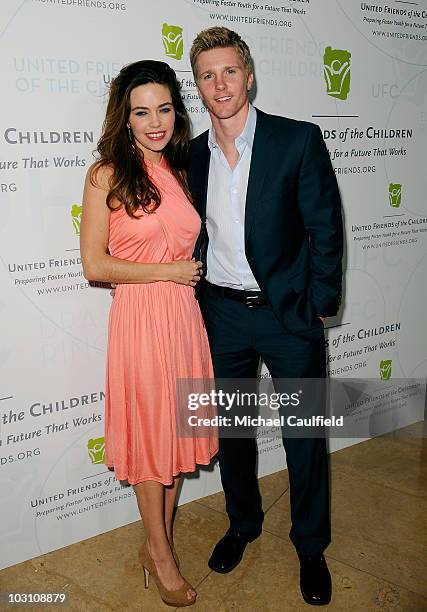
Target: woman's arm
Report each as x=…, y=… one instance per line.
x=98, y=265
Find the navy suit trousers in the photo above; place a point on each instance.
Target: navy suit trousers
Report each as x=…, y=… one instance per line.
x=239, y=336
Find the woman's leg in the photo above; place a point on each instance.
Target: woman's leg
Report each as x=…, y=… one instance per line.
x=150, y=496
x=170, y=498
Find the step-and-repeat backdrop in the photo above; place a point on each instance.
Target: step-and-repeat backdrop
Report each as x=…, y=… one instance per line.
x=357, y=69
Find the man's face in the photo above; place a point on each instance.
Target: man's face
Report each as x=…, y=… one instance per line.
x=223, y=81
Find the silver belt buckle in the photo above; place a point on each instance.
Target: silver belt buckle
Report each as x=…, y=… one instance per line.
x=252, y=300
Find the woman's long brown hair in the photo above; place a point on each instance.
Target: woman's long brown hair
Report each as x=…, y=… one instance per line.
x=130, y=183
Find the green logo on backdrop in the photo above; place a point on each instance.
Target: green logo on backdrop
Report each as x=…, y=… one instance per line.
x=172, y=41
x=337, y=72
x=385, y=369
x=96, y=450
x=76, y=215
x=395, y=194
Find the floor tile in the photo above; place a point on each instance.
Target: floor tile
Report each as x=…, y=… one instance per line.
x=374, y=528
x=380, y=461
x=268, y=580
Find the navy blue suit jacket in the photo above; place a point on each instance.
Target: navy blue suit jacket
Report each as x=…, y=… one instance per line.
x=293, y=225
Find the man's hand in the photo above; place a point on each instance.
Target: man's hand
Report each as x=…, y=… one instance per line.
x=323, y=319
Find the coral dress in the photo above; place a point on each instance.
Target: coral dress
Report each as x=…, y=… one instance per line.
x=156, y=335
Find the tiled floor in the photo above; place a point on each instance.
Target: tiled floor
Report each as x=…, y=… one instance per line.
x=377, y=557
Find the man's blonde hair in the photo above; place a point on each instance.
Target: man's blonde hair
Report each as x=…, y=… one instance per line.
x=219, y=37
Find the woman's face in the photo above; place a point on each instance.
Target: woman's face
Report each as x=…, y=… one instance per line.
x=151, y=119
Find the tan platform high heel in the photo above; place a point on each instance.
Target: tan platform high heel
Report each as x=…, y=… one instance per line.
x=174, y=554
x=177, y=598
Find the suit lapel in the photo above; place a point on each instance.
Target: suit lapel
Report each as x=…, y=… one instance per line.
x=199, y=185
x=258, y=169
x=202, y=179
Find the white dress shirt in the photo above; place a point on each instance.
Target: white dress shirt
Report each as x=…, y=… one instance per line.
x=227, y=265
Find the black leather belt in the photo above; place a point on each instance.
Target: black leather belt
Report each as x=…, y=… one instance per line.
x=251, y=299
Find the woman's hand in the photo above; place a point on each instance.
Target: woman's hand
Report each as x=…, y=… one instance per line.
x=185, y=272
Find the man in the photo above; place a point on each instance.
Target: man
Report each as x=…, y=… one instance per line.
x=271, y=242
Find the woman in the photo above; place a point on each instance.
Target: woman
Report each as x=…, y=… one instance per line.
x=138, y=230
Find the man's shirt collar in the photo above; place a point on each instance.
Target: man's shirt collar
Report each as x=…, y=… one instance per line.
x=245, y=138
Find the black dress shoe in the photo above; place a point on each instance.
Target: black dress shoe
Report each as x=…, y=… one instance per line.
x=315, y=580
x=228, y=553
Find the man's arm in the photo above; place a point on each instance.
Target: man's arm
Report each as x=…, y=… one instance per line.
x=320, y=205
